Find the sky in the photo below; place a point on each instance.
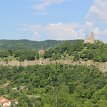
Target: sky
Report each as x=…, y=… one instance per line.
x=53, y=19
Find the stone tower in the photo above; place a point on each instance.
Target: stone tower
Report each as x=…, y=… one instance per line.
x=41, y=52
x=90, y=38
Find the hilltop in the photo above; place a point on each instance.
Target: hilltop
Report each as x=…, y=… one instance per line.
x=78, y=50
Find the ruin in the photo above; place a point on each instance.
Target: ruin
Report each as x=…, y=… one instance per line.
x=90, y=38
x=41, y=52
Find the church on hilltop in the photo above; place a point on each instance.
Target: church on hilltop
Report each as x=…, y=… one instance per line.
x=90, y=38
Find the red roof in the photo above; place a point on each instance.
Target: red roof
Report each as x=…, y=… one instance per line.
x=4, y=101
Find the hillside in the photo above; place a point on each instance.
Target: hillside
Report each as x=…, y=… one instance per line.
x=55, y=50
x=54, y=86
x=63, y=76
x=27, y=44
x=78, y=50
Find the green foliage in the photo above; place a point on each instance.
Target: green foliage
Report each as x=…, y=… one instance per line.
x=4, y=53
x=55, y=85
x=22, y=55
x=78, y=50
x=26, y=44
x=73, y=50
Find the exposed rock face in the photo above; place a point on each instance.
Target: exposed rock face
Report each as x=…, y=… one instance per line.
x=90, y=38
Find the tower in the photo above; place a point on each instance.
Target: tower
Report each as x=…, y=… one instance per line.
x=90, y=38
x=41, y=52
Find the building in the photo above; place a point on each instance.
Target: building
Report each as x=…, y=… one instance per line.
x=41, y=52
x=90, y=38
x=4, y=102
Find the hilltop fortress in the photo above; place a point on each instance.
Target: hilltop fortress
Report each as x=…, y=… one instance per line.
x=90, y=38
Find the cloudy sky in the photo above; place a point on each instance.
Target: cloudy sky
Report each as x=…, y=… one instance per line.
x=53, y=19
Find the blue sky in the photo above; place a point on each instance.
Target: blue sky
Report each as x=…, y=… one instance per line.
x=53, y=19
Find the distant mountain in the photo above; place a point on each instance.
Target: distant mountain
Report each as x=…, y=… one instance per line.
x=27, y=44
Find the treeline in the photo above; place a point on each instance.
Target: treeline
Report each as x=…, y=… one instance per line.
x=54, y=86
x=27, y=44
x=77, y=50
x=20, y=55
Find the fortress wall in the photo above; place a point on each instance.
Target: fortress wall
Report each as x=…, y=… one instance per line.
x=102, y=66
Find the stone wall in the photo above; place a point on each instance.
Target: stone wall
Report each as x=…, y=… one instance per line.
x=101, y=66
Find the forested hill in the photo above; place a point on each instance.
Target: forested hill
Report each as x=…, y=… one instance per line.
x=27, y=44
x=69, y=49
x=78, y=50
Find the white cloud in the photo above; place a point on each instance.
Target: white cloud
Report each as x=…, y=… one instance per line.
x=91, y=27
x=98, y=11
x=56, y=31
x=46, y=3
x=59, y=31
x=96, y=16
x=88, y=23
x=99, y=32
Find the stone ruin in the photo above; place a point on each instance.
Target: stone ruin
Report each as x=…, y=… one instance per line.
x=90, y=38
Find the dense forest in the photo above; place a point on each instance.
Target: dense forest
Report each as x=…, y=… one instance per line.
x=23, y=49
x=54, y=86
x=73, y=50
x=78, y=50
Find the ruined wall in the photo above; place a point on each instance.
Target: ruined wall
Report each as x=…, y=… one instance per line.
x=102, y=66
